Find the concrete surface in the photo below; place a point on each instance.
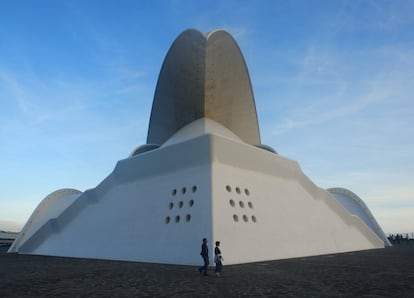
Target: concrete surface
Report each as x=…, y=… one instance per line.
x=374, y=273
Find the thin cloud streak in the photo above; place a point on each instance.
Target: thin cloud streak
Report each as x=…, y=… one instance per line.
x=347, y=100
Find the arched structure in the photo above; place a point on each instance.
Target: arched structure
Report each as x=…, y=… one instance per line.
x=143, y=148
x=356, y=206
x=44, y=216
x=203, y=77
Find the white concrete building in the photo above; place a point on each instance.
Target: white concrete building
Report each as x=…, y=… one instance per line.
x=202, y=173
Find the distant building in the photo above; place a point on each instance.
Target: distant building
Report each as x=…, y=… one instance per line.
x=202, y=174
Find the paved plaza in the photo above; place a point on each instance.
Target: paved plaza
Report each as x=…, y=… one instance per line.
x=375, y=273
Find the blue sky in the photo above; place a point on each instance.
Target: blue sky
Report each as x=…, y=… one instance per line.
x=333, y=83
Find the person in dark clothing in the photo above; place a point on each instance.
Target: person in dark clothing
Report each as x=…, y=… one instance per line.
x=218, y=259
x=204, y=255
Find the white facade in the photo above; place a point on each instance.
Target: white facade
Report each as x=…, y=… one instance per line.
x=157, y=206
x=203, y=174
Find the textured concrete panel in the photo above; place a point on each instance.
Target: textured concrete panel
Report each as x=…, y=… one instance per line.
x=228, y=93
x=203, y=77
x=179, y=95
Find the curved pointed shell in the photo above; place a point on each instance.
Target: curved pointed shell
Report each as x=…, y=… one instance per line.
x=203, y=77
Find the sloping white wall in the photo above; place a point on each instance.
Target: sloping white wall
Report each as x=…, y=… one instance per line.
x=125, y=217
x=45, y=214
x=281, y=213
x=265, y=208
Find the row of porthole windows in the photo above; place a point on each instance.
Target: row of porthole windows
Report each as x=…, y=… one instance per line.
x=245, y=218
x=238, y=190
x=177, y=219
x=184, y=190
x=241, y=204
x=180, y=204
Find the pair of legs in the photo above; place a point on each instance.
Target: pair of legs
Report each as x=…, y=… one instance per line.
x=205, y=267
x=219, y=266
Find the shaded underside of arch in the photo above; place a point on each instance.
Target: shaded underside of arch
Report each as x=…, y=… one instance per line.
x=355, y=205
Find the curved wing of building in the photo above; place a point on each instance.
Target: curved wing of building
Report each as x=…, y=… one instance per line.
x=355, y=205
x=44, y=216
x=203, y=77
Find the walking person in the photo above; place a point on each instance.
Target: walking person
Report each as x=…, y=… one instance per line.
x=218, y=259
x=204, y=255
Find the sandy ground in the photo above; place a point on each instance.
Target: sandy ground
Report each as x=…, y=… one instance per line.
x=375, y=273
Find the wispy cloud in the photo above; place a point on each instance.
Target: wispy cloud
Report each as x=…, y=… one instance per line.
x=341, y=95
x=15, y=92
x=71, y=126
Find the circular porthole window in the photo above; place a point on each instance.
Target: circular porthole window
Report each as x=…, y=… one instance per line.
x=194, y=189
x=254, y=218
x=177, y=218
x=238, y=190
x=235, y=218
x=247, y=192
x=167, y=220
x=232, y=203
x=241, y=204
x=174, y=192
x=183, y=190
x=170, y=205
x=245, y=218
x=250, y=204
x=180, y=204
x=187, y=217
x=228, y=188
x=191, y=203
